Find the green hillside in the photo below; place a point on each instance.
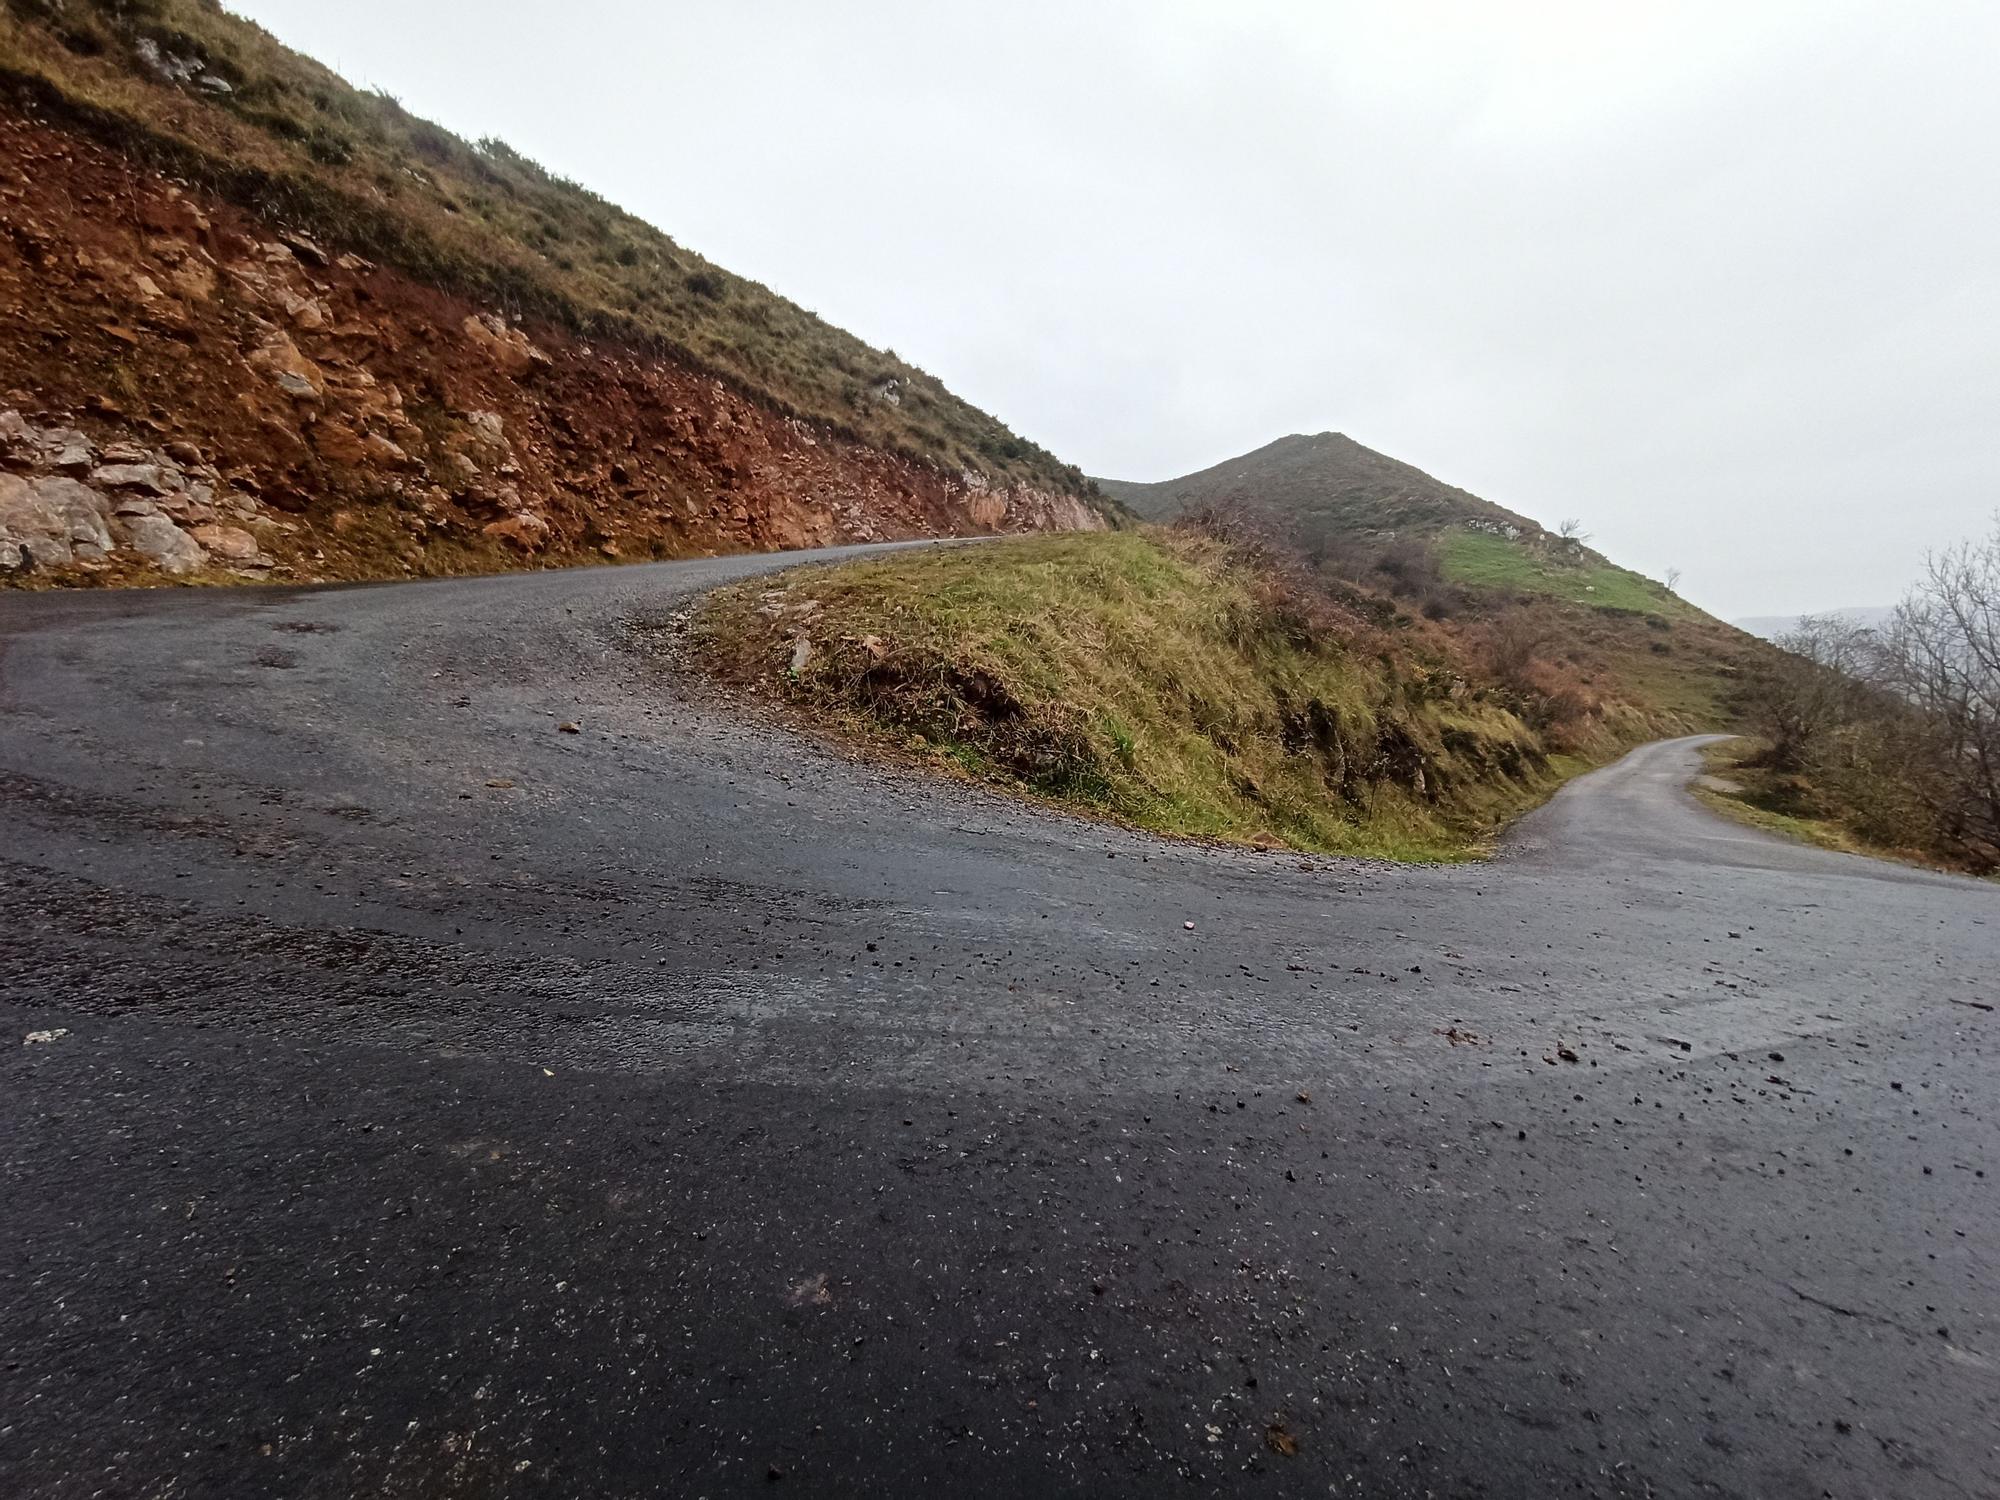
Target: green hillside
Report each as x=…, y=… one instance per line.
x=1325, y=483
x=1321, y=647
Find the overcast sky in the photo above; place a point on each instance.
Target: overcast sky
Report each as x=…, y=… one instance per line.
x=1721, y=279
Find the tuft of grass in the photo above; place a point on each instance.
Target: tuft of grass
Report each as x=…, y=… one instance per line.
x=1161, y=680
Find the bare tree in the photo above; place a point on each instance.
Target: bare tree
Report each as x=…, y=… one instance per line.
x=1816, y=688
x=1673, y=580
x=1896, y=731
x=1570, y=539
x=1944, y=651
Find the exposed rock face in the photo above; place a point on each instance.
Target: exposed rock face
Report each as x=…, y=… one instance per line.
x=352, y=422
x=144, y=509
x=524, y=529
x=508, y=348
x=80, y=512
x=151, y=479
x=162, y=543
x=230, y=544
x=43, y=523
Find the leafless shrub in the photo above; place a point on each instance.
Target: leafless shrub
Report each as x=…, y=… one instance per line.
x=1942, y=655
x=1822, y=681
x=1510, y=649
x=1897, y=730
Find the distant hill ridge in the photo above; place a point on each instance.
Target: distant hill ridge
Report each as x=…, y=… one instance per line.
x=1491, y=574
x=1323, y=483
x=1774, y=627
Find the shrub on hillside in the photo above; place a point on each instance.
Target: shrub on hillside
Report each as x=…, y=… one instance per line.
x=1895, y=731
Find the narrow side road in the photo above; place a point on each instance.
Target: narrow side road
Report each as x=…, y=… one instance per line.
x=401, y=1095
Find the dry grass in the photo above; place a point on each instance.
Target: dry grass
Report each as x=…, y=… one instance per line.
x=1166, y=680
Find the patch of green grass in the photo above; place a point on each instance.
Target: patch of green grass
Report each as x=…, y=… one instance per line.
x=1479, y=559
x=1163, y=681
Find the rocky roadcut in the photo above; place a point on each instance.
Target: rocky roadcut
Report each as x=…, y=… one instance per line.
x=289, y=410
x=65, y=502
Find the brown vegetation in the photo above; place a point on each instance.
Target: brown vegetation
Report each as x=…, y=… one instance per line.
x=1170, y=679
x=1894, y=732
x=1578, y=674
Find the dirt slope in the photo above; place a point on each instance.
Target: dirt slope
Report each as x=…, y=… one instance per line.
x=192, y=389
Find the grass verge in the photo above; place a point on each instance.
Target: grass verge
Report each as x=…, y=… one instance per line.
x=1161, y=680
x=1743, y=791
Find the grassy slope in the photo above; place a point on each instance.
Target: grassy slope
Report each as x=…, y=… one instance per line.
x=1153, y=678
x=1746, y=792
x=1622, y=637
x=294, y=142
x=1482, y=560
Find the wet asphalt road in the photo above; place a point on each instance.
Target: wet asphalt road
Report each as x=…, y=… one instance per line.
x=451, y=1105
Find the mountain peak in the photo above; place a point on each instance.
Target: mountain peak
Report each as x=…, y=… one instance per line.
x=1326, y=483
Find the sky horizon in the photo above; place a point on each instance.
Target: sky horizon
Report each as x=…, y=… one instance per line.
x=1722, y=280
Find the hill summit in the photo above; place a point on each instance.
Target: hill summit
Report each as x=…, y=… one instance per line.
x=1323, y=482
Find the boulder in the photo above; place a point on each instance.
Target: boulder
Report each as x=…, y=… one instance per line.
x=986, y=509
x=232, y=545
x=279, y=359
x=20, y=445
x=163, y=543
x=386, y=451
x=308, y=313
x=524, y=529
x=190, y=507
x=307, y=250
x=338, y=443
x=80, y=508
x=50, y=522
x=508, y=348
x=151, y=479
x=488, y=431
x=68, y=451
